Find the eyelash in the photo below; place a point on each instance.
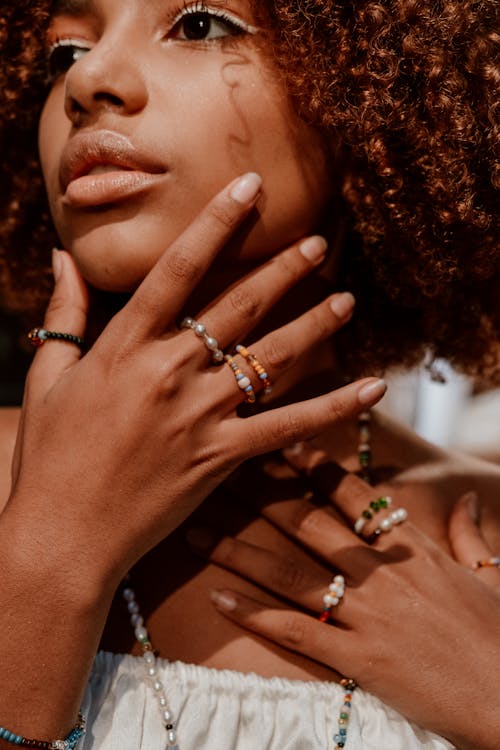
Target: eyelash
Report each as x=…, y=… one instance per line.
x=237, y=26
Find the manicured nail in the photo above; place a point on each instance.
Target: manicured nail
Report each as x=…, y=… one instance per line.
x=343, y=305
x=314, y=248
x=293, y=450
x=373, y=392
x=246, y=188
x=223, y=600
x=472, y=502
x=56, y=263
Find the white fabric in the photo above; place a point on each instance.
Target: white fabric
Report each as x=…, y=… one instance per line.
x=226, y=710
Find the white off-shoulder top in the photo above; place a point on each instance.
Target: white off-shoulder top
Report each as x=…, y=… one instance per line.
x=226, y=710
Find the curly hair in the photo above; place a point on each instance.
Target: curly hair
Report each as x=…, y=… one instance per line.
x=410, y=90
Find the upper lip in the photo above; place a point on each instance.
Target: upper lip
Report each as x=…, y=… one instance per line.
x=102, y=148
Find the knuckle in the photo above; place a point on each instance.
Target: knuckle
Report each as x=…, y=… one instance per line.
x=244, y=302
x=287, y=265
x=287, y=575
x=222, y=215
x=307, y=522
x=277, y=353
x=57, y=303
x=293, y=630
x=337, y=408
x=286, y=428
x=181, y=266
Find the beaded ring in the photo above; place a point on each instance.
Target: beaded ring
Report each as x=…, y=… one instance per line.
x=242, y=380
x=375, y=507
x=256, y=365
x=209, y=341
x=69, y=743
x=491, y=562
x=335, y=592
x=38, y=337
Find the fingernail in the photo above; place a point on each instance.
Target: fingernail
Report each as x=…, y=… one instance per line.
x=314, y=248
x=56, y=263
x=293, y=450
x=372, y=392
x=201, y=539
x=246, y=188
x=223, y=600
x=343, y=305
x=471, y=500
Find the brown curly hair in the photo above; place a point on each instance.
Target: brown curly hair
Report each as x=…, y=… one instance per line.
x=410, y=88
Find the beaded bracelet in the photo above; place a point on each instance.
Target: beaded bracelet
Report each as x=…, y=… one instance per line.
x=345, y=713
x=69, y=743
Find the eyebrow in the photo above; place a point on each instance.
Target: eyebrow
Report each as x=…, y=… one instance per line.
x=71, y=7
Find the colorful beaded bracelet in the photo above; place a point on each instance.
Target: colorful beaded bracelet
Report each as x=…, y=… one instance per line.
x=69, y=743
x=340, y=738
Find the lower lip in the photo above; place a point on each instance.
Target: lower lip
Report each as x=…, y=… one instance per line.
x=108, y=187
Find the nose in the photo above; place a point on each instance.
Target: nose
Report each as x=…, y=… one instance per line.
x=106, y=78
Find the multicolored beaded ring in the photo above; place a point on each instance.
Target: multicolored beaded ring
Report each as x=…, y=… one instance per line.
x=242, y=380
x=491, y=562
x=38, y=337
x=256, y=365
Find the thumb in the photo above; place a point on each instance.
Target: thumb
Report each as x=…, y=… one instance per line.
x=66, y=313
x=466, y=539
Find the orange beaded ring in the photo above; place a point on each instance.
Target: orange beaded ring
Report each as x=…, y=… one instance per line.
x=256, y=365
x=242, y=380
x=491, y=562
x=38, y=337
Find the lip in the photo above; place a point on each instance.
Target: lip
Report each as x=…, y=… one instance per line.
x=129, y=169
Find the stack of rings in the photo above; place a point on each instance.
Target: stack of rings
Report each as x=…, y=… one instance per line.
x=242, y=380
x=331, y=599
x=38, y=337
x=209, y=341
x=491, y=562
x=257, y=367
x=393, y=519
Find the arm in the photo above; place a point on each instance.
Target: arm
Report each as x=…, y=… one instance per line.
x=117, y=447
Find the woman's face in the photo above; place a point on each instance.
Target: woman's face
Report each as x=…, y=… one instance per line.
x=155, y=106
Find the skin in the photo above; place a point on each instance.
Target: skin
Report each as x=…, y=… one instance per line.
x=137, y=79
x=160, y=244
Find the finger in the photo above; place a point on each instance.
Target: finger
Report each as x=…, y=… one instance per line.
x=349, y=493
x=66, y=313
x=293, y=630
x=242, y=306
x=295, y=512
x=280, y=350
x=162, y=294
x=467, y=542
x=284, y=426
x=294, y=577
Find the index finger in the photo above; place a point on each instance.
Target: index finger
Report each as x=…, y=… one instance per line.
x=160, y=297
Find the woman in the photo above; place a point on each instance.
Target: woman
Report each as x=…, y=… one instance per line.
x=151, y=111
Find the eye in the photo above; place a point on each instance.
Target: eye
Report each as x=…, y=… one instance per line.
x=63, y=54
x=200, y=23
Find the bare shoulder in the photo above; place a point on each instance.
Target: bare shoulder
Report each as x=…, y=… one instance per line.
x=9, y=420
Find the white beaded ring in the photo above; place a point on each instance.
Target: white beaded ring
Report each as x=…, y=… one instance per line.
x=209, y=341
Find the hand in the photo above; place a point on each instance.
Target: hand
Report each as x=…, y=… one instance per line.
x=414, y=627
x=117, y=447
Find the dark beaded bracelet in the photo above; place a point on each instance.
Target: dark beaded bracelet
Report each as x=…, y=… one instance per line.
x=69, y=743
